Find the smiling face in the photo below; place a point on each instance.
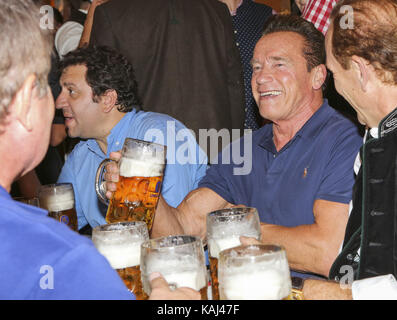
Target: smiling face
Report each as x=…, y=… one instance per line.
x=281, y=85
x=83, y=116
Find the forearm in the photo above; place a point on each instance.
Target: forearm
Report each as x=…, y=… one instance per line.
x=190, y=216
x=306, y=246
x=166, y=222
x=325, y=290
x=85, y=37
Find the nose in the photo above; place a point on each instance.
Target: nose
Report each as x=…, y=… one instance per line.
x=263, y=76
x=61, y=101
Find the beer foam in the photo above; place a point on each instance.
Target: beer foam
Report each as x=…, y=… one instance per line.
x=141, y=168
x=217, y=245
x=58, y=202
x=183, y=272
x=194, y=279
x=121, y=255
x=253, y=284
x=223, y=239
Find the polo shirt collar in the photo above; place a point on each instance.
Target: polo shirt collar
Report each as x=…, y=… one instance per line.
x=308, y=131
x=116, y=137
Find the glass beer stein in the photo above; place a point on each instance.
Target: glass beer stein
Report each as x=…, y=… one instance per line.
x=141, y=174
x=120, y=243
x=224, y=228
x=180, y=259
x=58, y=200
x=254, y=272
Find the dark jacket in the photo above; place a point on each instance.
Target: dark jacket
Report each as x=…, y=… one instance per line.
x=372, y=225
x=184, y=55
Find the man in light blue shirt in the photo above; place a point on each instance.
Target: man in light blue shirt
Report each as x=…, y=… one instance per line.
x=99, y=102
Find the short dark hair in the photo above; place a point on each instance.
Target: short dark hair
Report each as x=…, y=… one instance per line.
x=107, y=69
x=314, y=48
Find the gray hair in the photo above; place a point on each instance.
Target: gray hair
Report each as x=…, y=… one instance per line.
x=25, y=49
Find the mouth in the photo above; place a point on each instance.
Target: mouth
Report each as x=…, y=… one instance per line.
x=68, y=120
x=270, y=94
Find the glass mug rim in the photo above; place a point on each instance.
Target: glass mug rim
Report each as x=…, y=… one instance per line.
x=126, y=225
x=193, y=240
x=60, y=186
x=262, y=250
x=144, y=142
x=232, y=212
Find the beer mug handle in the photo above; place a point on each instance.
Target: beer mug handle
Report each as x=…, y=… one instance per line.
x=100, y=183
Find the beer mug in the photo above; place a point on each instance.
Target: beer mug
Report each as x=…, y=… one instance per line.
x=120, y=243
x=224, y=228
x=141, y=175
x=254, y=272
x=58, y=200
x=180, y=259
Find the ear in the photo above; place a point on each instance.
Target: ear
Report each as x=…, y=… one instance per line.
x=361, y=69
x=319, y=75
x=109, y=100
x=23, y=102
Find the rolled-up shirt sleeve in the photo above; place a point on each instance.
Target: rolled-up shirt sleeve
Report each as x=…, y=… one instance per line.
x=376, y=288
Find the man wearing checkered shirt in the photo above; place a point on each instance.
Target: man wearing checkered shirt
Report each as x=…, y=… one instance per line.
x=317, y=12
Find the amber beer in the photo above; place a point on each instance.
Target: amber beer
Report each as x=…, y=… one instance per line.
x=58, y=200
x=141, y=174
x=131, y=277
x=137, y=192
x=224, y=228
x=215, y=246
x=120, y=244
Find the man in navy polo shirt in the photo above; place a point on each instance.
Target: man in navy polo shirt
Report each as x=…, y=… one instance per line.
x=40, y=257
x=301, y=173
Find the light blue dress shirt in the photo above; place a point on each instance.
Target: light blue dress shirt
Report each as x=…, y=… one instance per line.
x=186, y=162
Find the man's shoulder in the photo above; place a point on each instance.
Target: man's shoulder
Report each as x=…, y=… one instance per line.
x=43, y=239
x=34, y=247
x=155, y=120
x=80, y=149
x=36, y=225
x=339, y=123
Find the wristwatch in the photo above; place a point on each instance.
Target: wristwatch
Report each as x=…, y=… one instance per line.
x=297, y=288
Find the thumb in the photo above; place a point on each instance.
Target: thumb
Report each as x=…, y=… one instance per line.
x=248, y=240
x=157, y=281
x=115, y=155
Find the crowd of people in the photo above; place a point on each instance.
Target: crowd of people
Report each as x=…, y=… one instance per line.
x=125, y=68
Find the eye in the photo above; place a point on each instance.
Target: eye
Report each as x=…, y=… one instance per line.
x=71, y=92
x=256, y=68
